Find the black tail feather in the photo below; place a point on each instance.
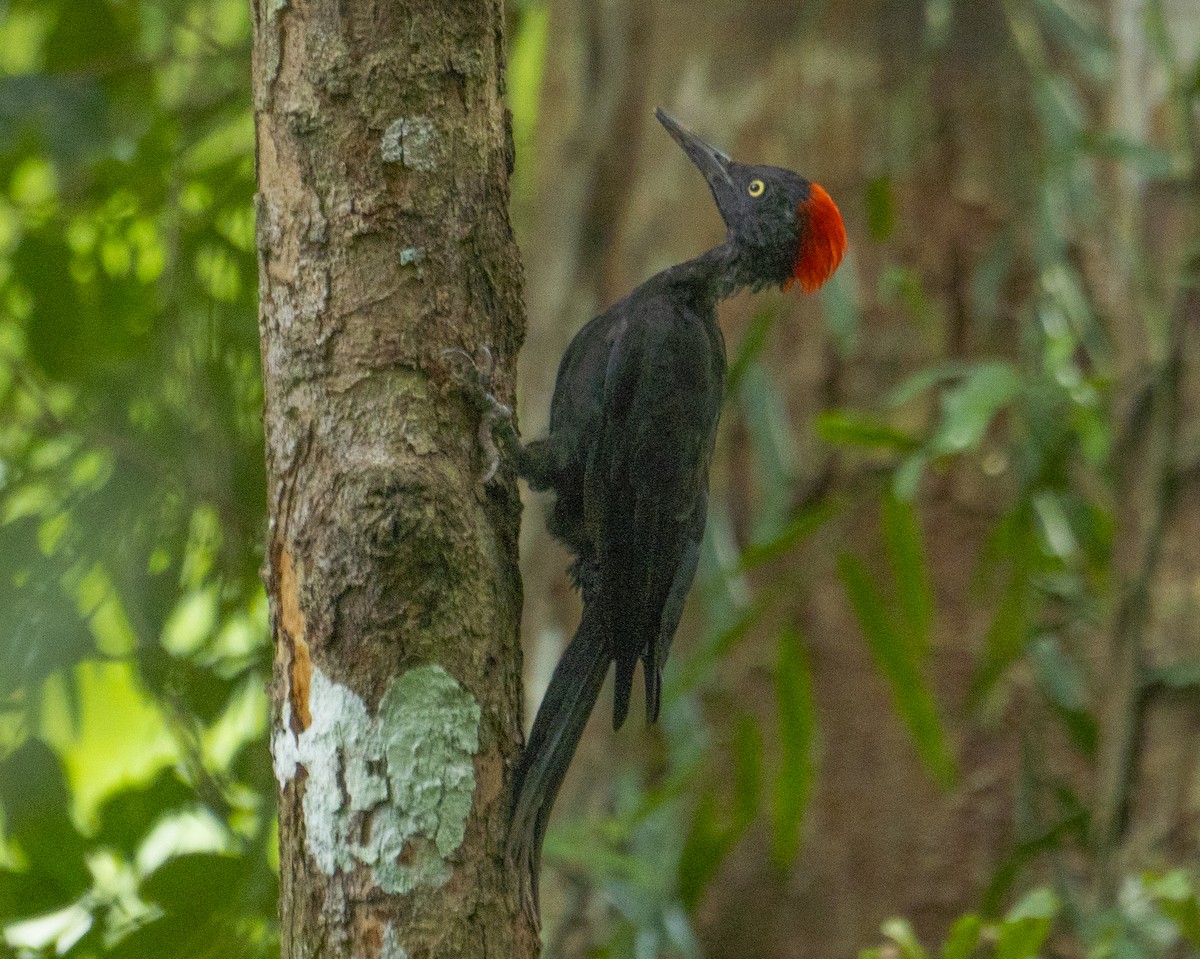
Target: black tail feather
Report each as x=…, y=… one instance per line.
x=622, y=691
x=652, y=674
x=557, y=729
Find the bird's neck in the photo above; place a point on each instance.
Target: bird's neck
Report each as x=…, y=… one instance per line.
x=714, y=274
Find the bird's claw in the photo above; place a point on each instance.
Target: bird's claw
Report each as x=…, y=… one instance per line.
x=476, y=370
x=476, y=373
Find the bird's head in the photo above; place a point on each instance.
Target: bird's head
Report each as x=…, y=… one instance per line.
x=785, y=228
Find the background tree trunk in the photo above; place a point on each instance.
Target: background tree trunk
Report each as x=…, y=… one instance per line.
x=383, y=161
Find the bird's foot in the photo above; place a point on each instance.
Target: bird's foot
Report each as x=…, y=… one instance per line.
x=476, y=372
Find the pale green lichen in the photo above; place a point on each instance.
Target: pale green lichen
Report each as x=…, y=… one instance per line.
x=391, y=948
x=405, y=779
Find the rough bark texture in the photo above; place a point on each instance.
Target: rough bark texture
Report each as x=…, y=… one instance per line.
x=383, y=161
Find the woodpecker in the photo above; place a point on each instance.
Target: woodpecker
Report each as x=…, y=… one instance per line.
x=632, y=426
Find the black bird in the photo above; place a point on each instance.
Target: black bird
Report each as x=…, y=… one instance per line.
x=632, y=425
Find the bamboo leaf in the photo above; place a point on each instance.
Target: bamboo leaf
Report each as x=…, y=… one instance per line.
x=798, y=529
x=797, y=737
x=747, y=771
x=895, y=661
x=906, y=554
x=926, y=378
x=1008, y=633
x=705, y=848
x=752, y=343
x=773, y=444
x=852, y=428
x=842, y=314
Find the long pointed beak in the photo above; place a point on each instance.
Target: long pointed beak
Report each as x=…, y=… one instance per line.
x=713, y=163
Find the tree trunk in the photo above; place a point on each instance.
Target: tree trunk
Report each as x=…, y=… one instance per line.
x=383, y=163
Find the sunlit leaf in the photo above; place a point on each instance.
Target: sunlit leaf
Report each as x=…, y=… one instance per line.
x=901, y=933
x=963, y=938
x=1026, y=925
x=852, y=428
x=1176, y=897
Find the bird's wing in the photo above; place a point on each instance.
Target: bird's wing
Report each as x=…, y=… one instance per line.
x=648, y=479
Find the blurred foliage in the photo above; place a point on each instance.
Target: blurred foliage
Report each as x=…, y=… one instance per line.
x=135, y=785
x=1040, y=421
x=136, y=791
x=1154, y=916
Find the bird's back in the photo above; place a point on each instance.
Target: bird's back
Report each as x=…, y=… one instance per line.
x=640, y=388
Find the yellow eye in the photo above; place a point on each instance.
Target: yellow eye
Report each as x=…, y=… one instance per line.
x=756, y=187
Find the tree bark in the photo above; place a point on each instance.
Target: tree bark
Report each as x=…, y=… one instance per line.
x=383, y=155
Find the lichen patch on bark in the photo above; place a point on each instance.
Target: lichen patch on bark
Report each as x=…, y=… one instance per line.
x=391, y=792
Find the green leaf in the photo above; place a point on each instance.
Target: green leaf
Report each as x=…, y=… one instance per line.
x=1184, y=674
x=526, y=64
x=968, y=409
x=1006, y=637
x=906, y=554
x=705, y=848
x=963, y=938
x=799, y=528
x=195, y=884
x=881, y=208
x=797, y=738
x=773, y=444
x=1176, y=899
x=191, y=937
x=927, y=378
x=907, y=477
x=752, y=343
x=1073, y=826
x=901, y=933
x=693, y=670
x=1149, y=161
x=895, y=660
x=852, y=428
x=1026, y=926
x=37, y=815
x=128, y=816
x=842, y=314
x=1059, y=678
x=747, y=771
